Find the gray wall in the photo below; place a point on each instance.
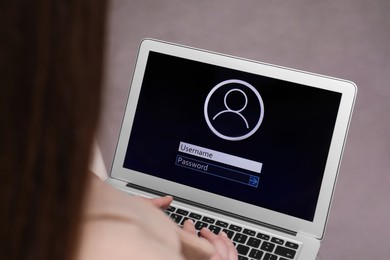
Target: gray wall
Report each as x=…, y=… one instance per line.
x=341, y=38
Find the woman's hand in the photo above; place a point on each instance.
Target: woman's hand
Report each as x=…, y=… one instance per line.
x=210, y=246
x=223, y=246
x=161, y=202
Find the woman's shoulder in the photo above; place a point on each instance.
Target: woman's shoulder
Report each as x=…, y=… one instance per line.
x=118, y=226
x=115, y=240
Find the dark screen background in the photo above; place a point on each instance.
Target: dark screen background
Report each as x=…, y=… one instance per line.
x=292, y=141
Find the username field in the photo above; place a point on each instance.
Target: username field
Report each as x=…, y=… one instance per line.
x=220, y=157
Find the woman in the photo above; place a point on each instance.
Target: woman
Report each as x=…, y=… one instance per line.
x=51, y=207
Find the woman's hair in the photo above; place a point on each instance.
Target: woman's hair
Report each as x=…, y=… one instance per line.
x=51, y=56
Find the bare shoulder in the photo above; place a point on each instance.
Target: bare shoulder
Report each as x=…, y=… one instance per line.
x=116, y=241
x=118, y=226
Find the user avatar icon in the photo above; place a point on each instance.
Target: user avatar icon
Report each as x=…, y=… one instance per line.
x=234, y=110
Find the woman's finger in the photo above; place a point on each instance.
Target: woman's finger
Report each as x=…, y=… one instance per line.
x=232, y=251
x=162, y=202
x=206, y=233
x=224, y=247
x=189, y=226
x=194, y=248
x=221, y=248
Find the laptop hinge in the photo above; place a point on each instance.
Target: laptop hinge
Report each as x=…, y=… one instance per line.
x=219, y=211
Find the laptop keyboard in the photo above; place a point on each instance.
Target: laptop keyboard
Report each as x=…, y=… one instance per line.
x=250, y=244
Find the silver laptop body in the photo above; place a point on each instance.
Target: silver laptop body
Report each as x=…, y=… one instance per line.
x=247, y=147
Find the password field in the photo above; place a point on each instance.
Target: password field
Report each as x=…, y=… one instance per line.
x=217, y=171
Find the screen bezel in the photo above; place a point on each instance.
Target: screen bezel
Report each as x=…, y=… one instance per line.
x=346, y=88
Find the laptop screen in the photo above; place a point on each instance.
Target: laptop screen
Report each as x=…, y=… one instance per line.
x=252, y=138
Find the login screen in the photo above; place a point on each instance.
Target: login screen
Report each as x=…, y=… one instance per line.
x=252, y=138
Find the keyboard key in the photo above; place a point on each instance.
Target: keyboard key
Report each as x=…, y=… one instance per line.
x=256, y=254
x=284, y=251
x=277, y=241
x=253, y=242
x=263, y=236
x=242, y=250
x=208, y=220
x=176, y=218
x=215, y=229
x=267, y=246
x=235, y=228
x=229, y=233
x=249, y=232
x=199, y=225
x=182, y=212
x=222, y=224
x=195, y=216
x=171, y=209
x=291, y=245
x=240, y=238
x=240, y=257
x=270, y=257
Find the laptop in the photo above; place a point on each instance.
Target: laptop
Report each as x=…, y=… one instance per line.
x=244, y=147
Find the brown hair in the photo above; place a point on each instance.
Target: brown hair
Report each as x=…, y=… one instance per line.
x=51, y=71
